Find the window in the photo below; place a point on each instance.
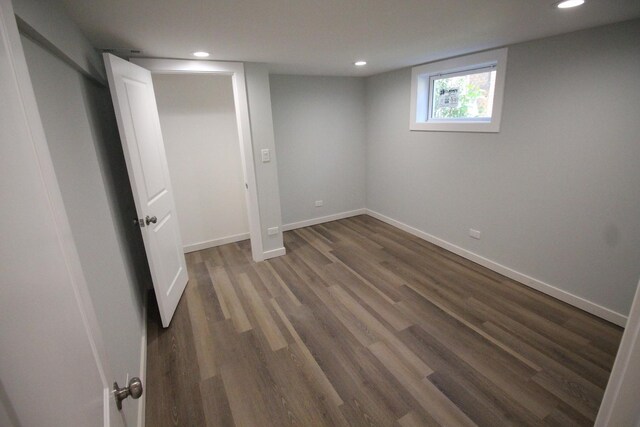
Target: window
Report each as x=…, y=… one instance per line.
x=459, y=95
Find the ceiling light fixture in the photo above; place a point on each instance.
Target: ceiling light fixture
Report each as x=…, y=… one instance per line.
x=201, y=54
x=360, y=63
x=566, y=4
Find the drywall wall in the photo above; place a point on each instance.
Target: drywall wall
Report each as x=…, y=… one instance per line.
x=555, y=193
x=260, y=115
x=319, y=126
x=198, y=120
x=47, y=22
x=86, y=156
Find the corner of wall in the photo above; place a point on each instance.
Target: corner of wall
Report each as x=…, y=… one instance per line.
x=52, y=27
x=261, y=122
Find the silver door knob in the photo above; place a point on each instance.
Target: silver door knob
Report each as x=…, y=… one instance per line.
x=150, y=220
x=134, y=389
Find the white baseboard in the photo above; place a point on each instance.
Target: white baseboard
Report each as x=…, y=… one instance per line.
x=320, y=220
x=143, y=363
x=574, y=300
x=215, y=242
x=274, y=253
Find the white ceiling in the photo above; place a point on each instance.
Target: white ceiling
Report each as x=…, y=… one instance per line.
x=327, y=36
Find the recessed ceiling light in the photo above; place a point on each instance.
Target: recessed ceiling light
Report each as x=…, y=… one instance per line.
x=566, y=4
x=201, y=54
x=360, y=63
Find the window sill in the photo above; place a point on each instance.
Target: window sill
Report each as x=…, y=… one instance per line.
x=488, y=127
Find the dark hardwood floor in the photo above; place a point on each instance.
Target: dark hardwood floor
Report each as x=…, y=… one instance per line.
x=363, y=324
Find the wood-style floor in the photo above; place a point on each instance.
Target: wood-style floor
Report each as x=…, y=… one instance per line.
x=362, y=324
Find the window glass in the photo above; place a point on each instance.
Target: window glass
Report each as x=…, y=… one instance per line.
x=466, y=95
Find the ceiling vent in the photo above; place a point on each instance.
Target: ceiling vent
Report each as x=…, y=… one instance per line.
x=122, y=52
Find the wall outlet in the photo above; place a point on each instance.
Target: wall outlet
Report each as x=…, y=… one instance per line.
x=272, y=231
x=266, y=155
x=474, y=233
x=319, y=203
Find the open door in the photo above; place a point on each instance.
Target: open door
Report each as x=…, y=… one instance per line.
x=53, y=369
x=134, y=102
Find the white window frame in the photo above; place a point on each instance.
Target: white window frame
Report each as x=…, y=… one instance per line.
x=422, y=85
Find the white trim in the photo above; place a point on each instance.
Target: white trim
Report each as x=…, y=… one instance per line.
x=619, y=407
x=106, y=401
x=143, y=362
x=420, y=91
x=320, y=220
x=574, y=300
x=273, y=253
x=240, y=95
x=215, y=242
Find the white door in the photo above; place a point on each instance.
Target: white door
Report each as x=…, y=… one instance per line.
x=137, y=114
x=52, y=369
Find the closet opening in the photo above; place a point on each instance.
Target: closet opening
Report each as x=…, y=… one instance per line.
x=204, y=118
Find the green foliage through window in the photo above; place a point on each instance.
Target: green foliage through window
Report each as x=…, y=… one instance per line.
x=462, y=96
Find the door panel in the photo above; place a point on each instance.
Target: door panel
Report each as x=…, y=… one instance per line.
x=137, y=114
x=52, y=371
x=82, y=166
x=148, y=151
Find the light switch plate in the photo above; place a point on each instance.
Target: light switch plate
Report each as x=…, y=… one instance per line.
x=266, y=155
x=319, y=203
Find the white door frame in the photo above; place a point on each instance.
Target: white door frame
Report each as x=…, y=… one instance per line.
x=236, y=71
x=620, y=401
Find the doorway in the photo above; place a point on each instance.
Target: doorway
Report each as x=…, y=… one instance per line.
x=200, y=134
x=234, y=71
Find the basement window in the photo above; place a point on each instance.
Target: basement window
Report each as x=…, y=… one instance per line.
x=462, y=94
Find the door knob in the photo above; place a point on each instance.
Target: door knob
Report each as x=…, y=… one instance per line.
x=134, y=389
x=150, y=220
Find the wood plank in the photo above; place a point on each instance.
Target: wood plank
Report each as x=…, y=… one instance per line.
x=565, y=416
x=274, y=282
x=467, y=387
x=415, y=419
x=429, y=397
x=313, y=369
x=539, y=344
x=413, y=362
x=371, y=273
x=229, y=299
x=265, y=321
x=177, y=393
x=445, y=306
x=199, y=324
x=386, y=310
x=215, y=403
x=253, y=394
x=365, y=387
x=505, y=371
x=208, y=296
x=604, y=336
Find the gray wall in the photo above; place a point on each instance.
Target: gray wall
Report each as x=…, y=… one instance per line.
x=49, y=23
x=556, y=194
x=319, y=125
x=81, y=133
x=200, y=133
